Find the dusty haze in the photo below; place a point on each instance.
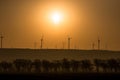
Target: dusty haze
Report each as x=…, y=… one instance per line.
x=22, y=22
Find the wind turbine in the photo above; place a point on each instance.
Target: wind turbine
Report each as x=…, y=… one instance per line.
x=63, y=45
x=1, y=41
x=106, y=46
x=98, y=43
x=69, y=41
x=93, y=46
x=35, y=45
x=41, y=46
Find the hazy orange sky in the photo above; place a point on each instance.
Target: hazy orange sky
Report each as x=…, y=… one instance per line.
x=23, y=22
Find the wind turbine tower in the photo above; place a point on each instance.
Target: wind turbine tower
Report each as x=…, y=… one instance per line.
x=93, y=46
x=35, y=45
x=98, y=43
x=41, y=46
x=63, y=45
x=69, y=40
x=1, y=41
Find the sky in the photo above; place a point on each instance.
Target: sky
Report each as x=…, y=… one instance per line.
x=24, y=22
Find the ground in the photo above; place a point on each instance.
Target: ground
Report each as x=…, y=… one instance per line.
x=57, y=76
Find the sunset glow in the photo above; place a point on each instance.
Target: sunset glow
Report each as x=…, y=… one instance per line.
x=56, y=17
x=23, y=22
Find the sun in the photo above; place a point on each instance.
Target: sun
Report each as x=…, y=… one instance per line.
x=56, y=17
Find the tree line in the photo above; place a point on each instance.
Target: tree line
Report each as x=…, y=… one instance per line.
x=64, y=65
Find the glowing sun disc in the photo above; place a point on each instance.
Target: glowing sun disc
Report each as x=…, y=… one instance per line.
x=56, y=18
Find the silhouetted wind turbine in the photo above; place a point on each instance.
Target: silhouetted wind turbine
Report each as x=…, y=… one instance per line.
x=56, y=46
x=35, y=45
x=106, y=46
x=41, y=46
x=93, y=46
x=63, y=45
x=1, y=40
x=69, y=40
x=98, y=43
x=75, y=47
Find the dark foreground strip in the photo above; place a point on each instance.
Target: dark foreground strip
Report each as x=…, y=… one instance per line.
x=58, y=76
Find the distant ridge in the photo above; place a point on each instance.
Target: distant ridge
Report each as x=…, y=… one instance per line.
x=11, y=54
x=57, y=49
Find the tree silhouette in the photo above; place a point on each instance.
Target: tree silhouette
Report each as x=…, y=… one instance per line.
x=86, y=65
x=118, y=66
x=75, y=65
x=65, y=65
x=113, y=64
x=97, y=63
x=37, y=65
x=21, y=65
x=45, y=66
x=104, y=65
x=56, y=65
x=6, y=66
